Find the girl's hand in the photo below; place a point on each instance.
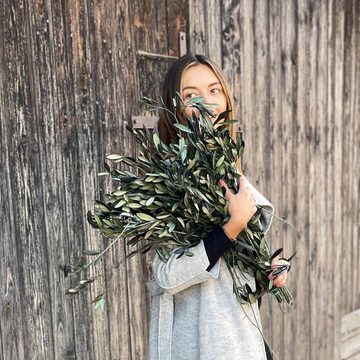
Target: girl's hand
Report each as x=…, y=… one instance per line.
x=241, y=208
x=278, y=280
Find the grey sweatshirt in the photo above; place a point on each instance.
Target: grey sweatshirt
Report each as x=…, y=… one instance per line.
x=194, y=313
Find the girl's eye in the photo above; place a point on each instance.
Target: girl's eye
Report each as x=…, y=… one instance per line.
x=215, y=90
x=190, y=96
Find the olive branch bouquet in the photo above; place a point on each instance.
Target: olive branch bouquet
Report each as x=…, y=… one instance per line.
x=175, y=201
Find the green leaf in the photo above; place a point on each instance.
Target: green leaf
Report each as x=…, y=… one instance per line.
x=149, y=179
x=221, y=116
x=181, y=221
x=171, y=226
x=148, y=234
x=163, y=216
x=134, y=206
x=114, y=157
x=183, y=128
x=149, y=201
x=270, y=285
x=100, y=304
x=175, y=206
x=120, y=192
x=145, y=217
x=156, y=139
x=220, y=161
x=156, y=223
x=164, y=233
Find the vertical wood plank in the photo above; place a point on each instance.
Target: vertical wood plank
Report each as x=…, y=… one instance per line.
x=213, y=26
x=337, y=113
x=289, y=75
x=115, y=139
x=332, y=291
x=299, y=275
x=348, y=142
x=149, y=33
x=197, y=32
x=177, y=16
x=26, y=184
x=318, y=147
x=247, y=84
x=356, y=160
x=11, y=107
x=48, y=84
x=269, y=308
x=261, y=86
x=231, y=55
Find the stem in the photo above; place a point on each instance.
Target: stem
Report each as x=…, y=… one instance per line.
x=277, y=217
x=105, y=250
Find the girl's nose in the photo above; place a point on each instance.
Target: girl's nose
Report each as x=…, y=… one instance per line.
x=208, y=100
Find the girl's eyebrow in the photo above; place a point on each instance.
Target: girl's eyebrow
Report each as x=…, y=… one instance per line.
x=194, y=87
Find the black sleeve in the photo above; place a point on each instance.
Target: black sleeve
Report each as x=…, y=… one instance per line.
x=216, y=244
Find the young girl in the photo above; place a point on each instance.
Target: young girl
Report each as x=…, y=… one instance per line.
x=194, y=313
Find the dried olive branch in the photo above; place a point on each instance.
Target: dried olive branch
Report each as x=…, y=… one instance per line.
x=176, y=200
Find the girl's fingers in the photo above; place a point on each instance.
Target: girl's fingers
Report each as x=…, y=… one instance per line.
x=243, y=183
x=228, y=192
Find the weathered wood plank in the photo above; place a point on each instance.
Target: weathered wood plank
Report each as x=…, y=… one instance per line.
x=213, y=27
x=247, y=89
x=231, y=56
x=355, y=114
x=317, y=247
x=348, y=273
x=338, y=184
x=116, y=139
x=177, y=20
x=197, y=31
x=275, y=158
x=11, y=108
x=300, y=275
x=331, y=246
x=78, y=107
x=103, y=24
x=289, y=73
x=149, y=33
x=26, y=187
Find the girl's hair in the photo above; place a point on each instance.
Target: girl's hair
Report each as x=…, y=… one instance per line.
x=172, y=85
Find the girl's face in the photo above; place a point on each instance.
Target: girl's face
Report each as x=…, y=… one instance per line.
x=200, y=81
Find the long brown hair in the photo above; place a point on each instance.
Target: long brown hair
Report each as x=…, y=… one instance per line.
x=172, y=85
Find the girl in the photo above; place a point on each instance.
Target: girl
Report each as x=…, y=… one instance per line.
x=194, y=313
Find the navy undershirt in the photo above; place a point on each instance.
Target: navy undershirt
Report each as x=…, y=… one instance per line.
x=216, y=244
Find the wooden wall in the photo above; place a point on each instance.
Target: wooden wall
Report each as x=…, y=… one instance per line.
x=70, y=77
x=295, y=70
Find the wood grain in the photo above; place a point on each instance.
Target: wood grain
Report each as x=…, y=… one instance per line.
x=70, y=80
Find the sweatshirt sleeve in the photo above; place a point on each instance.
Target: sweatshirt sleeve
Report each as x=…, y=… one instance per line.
x=177, y=274
x=267, y=209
